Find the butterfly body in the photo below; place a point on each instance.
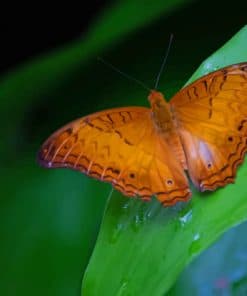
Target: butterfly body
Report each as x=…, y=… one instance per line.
x=144, y=152
x=165, y=125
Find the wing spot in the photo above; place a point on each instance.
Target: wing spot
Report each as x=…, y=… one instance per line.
x=128, y=142
x=169, y=182
x=230, y=139
x=132, y=175
x=209, y=165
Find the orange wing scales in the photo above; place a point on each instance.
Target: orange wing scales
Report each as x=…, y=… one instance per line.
x=211, y=114
x=227, y=173
x=118, y=146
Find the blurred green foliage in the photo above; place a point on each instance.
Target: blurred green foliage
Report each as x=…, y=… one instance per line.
x=49, y=220
x=220, y=270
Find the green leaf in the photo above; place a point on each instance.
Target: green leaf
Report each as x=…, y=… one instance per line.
x=142, y=248
x=234, y=51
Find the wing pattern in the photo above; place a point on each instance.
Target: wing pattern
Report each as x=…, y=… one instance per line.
x=211, y=114
x=119, y=146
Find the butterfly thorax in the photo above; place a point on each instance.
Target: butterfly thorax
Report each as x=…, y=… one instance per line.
x=161, y=113
x=165, y=124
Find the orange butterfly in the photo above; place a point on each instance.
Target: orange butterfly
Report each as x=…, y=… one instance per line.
x=144, y=152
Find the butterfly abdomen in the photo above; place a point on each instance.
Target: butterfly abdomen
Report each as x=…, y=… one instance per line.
x=165, y=125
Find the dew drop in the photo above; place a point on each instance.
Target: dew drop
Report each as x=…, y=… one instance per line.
x=126, y=205
x=137, y=222
x=123, y=287
x=196, y=236
x=195, y=245
x=208, y=67
x=140, y=217
x=186, y=218
x=153, y=210
x=116, y=233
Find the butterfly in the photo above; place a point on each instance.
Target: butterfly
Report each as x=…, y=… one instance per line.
x=144, y=152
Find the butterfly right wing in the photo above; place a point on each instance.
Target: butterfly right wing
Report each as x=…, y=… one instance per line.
x=211, y=115
x=122, y=147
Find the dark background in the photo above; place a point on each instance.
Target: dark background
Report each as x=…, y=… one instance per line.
x=42, y=29
x=39, y=29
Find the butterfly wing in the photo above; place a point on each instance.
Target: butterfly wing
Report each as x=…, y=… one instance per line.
x=119, y=146
x=211, y=115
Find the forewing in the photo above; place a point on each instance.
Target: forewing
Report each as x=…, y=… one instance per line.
x=119, y=146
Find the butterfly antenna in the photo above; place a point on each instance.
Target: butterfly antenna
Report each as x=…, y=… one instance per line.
x=124, y=74
x=164, y=62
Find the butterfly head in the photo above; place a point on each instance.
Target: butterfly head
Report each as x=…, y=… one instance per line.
x=156, y=99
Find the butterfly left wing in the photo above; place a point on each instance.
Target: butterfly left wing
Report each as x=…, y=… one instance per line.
x=211, y=115
x=122, y=147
